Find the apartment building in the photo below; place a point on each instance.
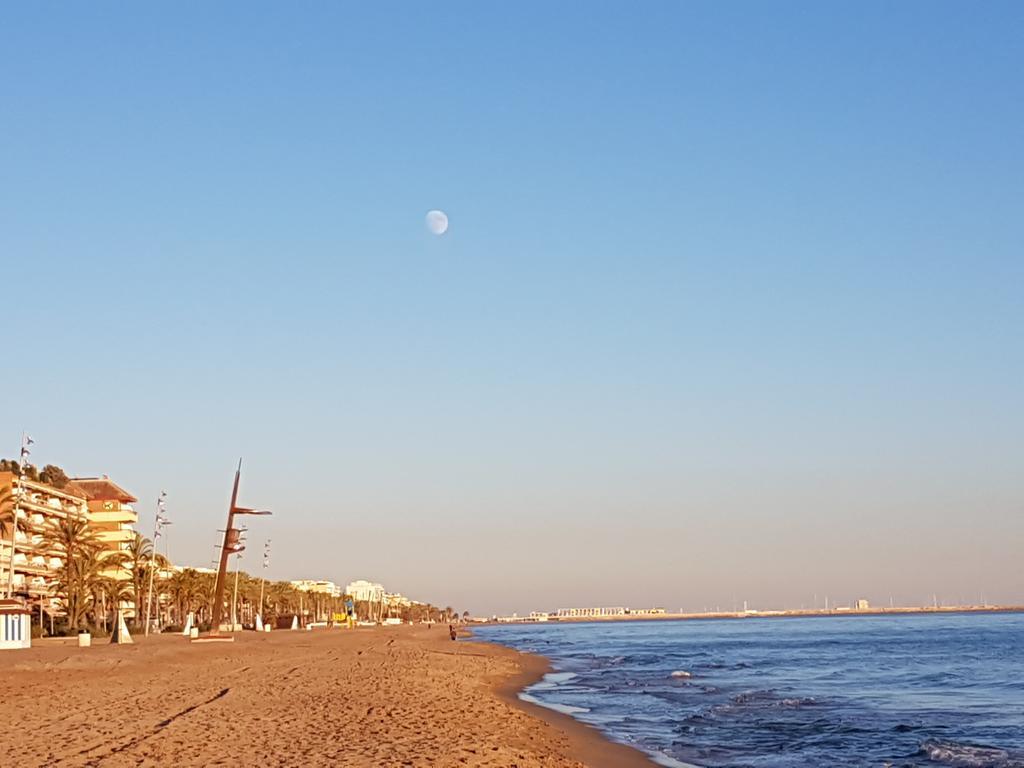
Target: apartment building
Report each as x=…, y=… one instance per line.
x=34, y=566
x=365, y=590
x=328, y=588
x=111, y=516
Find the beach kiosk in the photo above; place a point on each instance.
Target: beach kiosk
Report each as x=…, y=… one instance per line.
x=15, y=625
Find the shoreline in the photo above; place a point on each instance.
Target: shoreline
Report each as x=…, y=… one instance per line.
x=587, y=743
x=384, y=696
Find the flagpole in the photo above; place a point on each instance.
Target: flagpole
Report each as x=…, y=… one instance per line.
x=26, y=441
x=152, y=554
x=263, y=580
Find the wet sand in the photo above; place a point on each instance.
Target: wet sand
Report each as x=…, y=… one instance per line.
x=401, y=696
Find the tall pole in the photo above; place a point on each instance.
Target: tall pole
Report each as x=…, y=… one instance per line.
x=157, y=526
x=263, y=580
x=231, y=545
x=225, y=552
x=26, y=441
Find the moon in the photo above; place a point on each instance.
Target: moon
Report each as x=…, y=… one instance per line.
x=437, y=222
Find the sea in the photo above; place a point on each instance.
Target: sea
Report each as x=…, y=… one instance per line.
x=937, y=689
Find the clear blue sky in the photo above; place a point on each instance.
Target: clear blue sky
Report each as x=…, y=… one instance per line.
x=730, y=307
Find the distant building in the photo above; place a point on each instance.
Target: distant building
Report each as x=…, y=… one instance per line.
x=196, y=568
x=395, y=600
x=317, y=587
x=365, y=591
x=862, y=605
x=584, y=613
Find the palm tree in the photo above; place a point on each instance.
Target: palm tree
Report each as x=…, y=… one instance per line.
x=109, y=594
x=81, y=564
x=138, y=556
x=183, y=587
x=205, y=585
x=7, y=499
x=6, y=516
x=281, y=598
x=248, y=596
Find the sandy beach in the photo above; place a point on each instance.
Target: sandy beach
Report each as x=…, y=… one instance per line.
x=404, y=696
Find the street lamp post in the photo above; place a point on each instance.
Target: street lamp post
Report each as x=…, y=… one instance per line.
x=161, y=521
x=26, y=441
x=263, y=580
x=231, y=545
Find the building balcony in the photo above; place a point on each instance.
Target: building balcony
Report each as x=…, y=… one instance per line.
x=112, y=537
x=113, y=516
x=36, y=568
x=51, y=512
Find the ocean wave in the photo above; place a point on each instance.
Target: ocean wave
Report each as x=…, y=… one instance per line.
x=769, y=698
x=565, y=709
x=723, y=665
x=969, y=755
x=553, y=680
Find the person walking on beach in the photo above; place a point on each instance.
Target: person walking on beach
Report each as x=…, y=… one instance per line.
x=451, y=632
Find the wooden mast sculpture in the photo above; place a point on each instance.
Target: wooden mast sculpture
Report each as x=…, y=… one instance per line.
x=231, y=545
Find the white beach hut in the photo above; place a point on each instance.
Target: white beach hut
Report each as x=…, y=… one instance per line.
x=15, y=625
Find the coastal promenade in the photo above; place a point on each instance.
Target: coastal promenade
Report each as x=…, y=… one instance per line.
x=395, y=696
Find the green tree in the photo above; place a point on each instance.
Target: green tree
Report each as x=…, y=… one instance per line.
x=54, y=476
x=6, y=520
x=79, y=550
x=185, y=592
x=137, y=560
x=108, y=595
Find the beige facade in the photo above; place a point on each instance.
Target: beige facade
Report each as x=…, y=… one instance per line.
x=111, y=516
x=39, y=505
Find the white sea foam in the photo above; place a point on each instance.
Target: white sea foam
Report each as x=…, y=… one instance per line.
x=668, y=762
x=552, y=680
x=559, y=677
x=565, y=709
x=967, y=755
